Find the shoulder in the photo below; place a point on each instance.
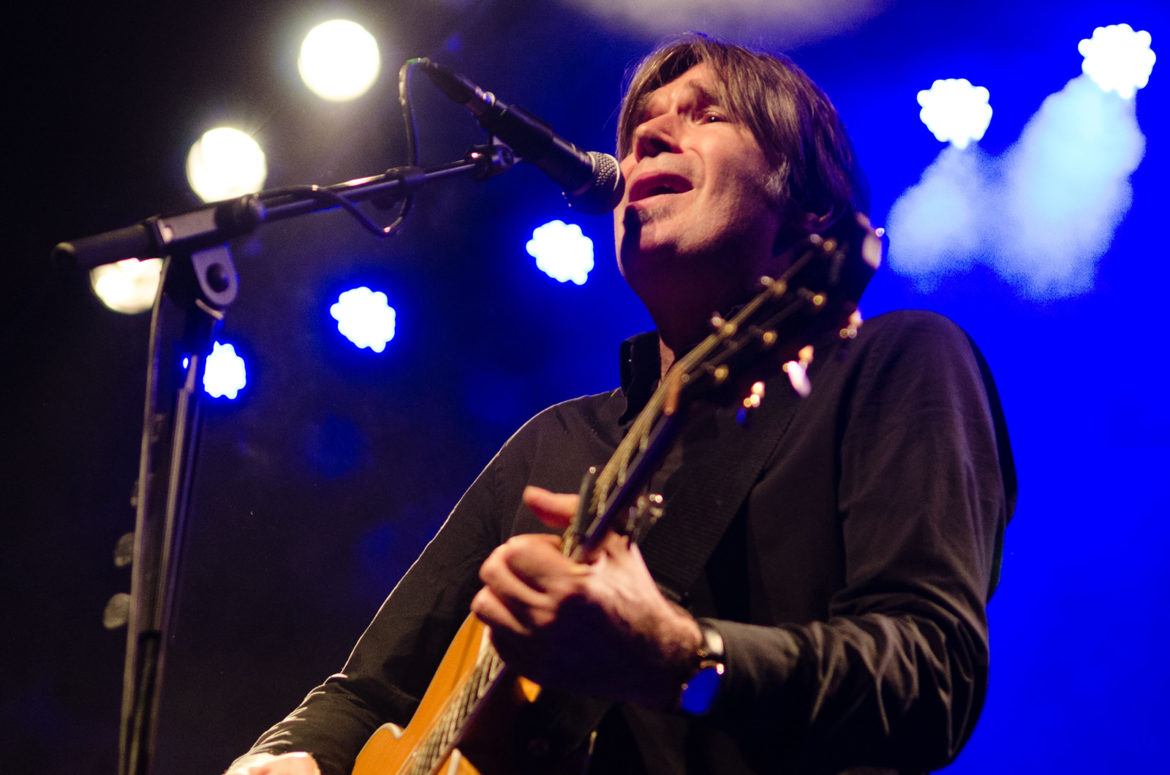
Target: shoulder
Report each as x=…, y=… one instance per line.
x=586, y=427
x=914, y=341
x=913, y=328
x=908, y=356
x=590, y=414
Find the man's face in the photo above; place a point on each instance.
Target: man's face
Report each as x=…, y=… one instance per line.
x=695, y=221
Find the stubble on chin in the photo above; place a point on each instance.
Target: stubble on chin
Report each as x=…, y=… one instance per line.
x=636, y=223
x=632, y=223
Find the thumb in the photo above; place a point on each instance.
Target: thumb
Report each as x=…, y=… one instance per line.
x=555, y=509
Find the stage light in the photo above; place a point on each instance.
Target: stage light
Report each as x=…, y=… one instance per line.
x=127, y=286
x=1118, y=59
x=955, y=111
x=365, y=318
x=225, y=163
x=562, y=251
x=339, y=60
x=1042, y=214
x=224, y=374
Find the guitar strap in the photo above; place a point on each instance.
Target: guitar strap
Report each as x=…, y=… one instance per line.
x=714, y=483
x=721, y=460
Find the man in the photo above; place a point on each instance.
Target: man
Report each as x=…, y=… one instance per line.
x=840, y=612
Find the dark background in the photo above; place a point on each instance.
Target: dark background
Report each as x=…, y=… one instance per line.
x=321, y=483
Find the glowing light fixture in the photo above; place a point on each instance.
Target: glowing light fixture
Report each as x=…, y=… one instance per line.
x=225, y=163
x=955, y=111
x=365, y=318
x=224, y=373
x=127, y=286
x=1118, y=59
x=562, y=251
x=339, y=60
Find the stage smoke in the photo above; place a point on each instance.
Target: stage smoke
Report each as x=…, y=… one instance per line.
x=1042, y=215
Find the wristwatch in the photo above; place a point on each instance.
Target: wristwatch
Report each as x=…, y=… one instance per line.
x=699, y=691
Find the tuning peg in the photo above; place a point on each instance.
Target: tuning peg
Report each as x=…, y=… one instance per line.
x=776, y=288
x=722, y=327
x=124, y=551
x=797, y=371
x=849, y=331
x=798, y=378
x=647, y=510
x=117, y=611
x=751, y=402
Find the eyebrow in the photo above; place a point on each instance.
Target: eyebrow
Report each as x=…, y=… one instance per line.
x=701, y=93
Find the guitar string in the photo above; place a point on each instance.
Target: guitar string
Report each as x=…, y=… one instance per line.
x=443, y=735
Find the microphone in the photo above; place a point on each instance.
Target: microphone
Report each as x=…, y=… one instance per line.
x=591, y=181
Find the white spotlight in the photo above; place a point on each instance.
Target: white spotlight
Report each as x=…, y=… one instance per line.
x=225, y=163
x=954, y=110
x=225, y=374
x=1118, y=59
x=339, y=60
x=127, y=286
x=365, y=318
x=562, y=251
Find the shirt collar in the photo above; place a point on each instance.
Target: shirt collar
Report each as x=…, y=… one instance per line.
x=640, y=371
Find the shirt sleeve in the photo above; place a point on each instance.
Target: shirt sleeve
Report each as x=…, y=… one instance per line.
x=393, y=662
x=391, y=665
x=895, y=675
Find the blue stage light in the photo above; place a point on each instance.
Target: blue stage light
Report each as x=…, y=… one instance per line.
x=1118, y=59
x=365, y=318
x=955, y=111
x=225, y=374
x=562, y=251
x=1042, y=214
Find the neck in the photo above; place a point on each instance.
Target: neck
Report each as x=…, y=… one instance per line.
x=666, y=358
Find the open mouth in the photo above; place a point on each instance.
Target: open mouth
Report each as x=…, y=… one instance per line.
x=656, y=185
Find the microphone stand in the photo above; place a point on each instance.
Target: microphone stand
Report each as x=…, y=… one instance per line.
x=199, y=282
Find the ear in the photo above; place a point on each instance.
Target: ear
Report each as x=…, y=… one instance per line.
x=812, y=223
x=799, y=225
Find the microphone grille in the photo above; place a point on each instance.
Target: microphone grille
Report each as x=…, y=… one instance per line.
x=604, y=193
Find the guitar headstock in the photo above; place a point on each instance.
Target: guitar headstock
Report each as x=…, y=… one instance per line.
x=817, y=293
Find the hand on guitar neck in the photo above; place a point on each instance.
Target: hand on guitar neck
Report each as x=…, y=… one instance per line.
x=599, y=627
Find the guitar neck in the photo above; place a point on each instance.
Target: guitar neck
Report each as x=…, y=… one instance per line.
x=450, y=725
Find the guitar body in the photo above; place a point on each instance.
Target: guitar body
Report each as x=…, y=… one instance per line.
x=477, y=747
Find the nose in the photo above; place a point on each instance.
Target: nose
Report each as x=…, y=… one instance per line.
x=656, y=135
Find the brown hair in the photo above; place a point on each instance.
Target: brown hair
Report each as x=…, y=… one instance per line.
x=796, y=125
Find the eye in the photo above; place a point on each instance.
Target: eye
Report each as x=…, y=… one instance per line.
x=711, y=117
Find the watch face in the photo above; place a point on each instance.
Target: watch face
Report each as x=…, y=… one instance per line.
x=699, y=693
